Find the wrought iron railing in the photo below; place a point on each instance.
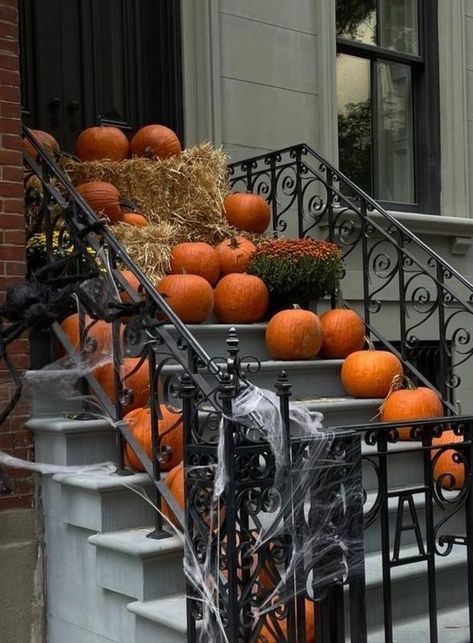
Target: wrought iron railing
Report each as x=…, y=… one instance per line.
x=265, y=513
x=406, y=292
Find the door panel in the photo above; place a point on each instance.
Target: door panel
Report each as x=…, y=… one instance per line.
x=89, y=60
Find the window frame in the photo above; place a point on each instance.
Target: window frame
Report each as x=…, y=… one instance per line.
x=425, y=105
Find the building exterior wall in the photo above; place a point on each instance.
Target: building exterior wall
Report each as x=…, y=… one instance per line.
x=17, y=533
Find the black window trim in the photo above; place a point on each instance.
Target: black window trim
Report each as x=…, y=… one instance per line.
x=425, y=108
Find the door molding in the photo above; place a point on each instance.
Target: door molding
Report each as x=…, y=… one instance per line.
x=201, y=71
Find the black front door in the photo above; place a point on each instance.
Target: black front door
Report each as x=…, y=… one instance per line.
x=83, y=61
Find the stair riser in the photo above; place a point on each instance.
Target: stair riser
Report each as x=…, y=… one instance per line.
x=87, y=447
x=149, y=632
x=106, y=511
x=143, y=579
x=406, y=469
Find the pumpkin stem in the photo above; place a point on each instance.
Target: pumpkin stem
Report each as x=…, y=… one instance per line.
x=369, y=341
x=234, y=242
x=399, y=382
x=130, y=205
x=296, y=306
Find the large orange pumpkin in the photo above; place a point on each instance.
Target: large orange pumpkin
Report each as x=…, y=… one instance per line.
x=294, y=334
x=45, y=139
x=190, y=297
x=235, y=254
x=344, y=333
x=271, y=636
x=155, y=141
x=240, y=299
x=175, y=483
x=136, y=219
x=196, y=258
x=99, y=336
x=451, y=474
x=102, y=197
x=410, y=404
x=170, y=431
x=98, y=143
x=247, y=211
x=135, y=380
x=370, y=373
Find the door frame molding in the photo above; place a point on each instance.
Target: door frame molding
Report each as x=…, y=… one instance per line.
x=201, y=71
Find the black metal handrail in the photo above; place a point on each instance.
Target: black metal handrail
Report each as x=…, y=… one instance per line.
x=232, y=550
x=430, y=295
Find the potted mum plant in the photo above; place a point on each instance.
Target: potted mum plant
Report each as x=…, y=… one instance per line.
x=297, y=271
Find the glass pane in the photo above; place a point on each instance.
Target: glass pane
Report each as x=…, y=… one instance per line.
x=356, y=20
x=399, y=29
x=395, y=142
x=354, y=119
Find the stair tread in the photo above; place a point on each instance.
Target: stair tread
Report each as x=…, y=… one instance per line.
x=135, y=542
x=337, y=401
x=60, y=424
x=169, y=611
x=271, y=364
x=453, y=627
x=103, y=483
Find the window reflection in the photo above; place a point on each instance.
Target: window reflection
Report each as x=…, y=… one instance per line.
x=395, y=162
x=354, y=119
x=356, y=20
x=399, y=27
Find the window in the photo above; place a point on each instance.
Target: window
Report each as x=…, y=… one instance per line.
x=388, y=100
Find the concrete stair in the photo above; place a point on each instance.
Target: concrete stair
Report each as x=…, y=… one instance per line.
x=97, y=526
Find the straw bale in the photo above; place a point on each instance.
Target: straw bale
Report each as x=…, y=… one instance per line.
x=187, y=190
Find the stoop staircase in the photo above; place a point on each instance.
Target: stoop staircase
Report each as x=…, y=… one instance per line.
x=108, y=581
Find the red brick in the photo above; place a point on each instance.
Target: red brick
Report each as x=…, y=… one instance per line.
x=10, y=125
x=11, y=189
x=11, y=46
x=15, y=268
x=11, y=173
x=16, y=502
x=9, y=207
x=11, y=141
x=8, y=13
x=8, y=31
x=14, y=237
x=9, y=61
x=12, y=253
x=10, y=157
x=10, y=93
x=9, y=109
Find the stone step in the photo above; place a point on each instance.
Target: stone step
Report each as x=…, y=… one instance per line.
x=105, y=503
x=453, y=627
x=132, y=564
x=164, y=619
x=212, y=338
x=70, y=442
x=342, y=411
x=309, y=378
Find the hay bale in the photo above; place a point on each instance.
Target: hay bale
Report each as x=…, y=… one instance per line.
x=187, y=190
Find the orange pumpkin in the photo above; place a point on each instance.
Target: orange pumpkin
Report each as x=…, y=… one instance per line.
x=135, y=380
x=235, y=254
x=175, y=483
x=156, y=141
x=45, y=139
x=272, y=636
x=247, y=211
x=370, y=373
x=190, y=297
x=132, y=282
x=102, y=197
x=240, y=299
x=451, y=474
x=294, y=334
x=98, y=143
x=344, y=333
x=99, y=336
x=170, y=431
x=136, y=219
x=410, y=404
x=196, y=258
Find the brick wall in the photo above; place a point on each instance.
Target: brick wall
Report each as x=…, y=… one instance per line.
x=13, y=437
